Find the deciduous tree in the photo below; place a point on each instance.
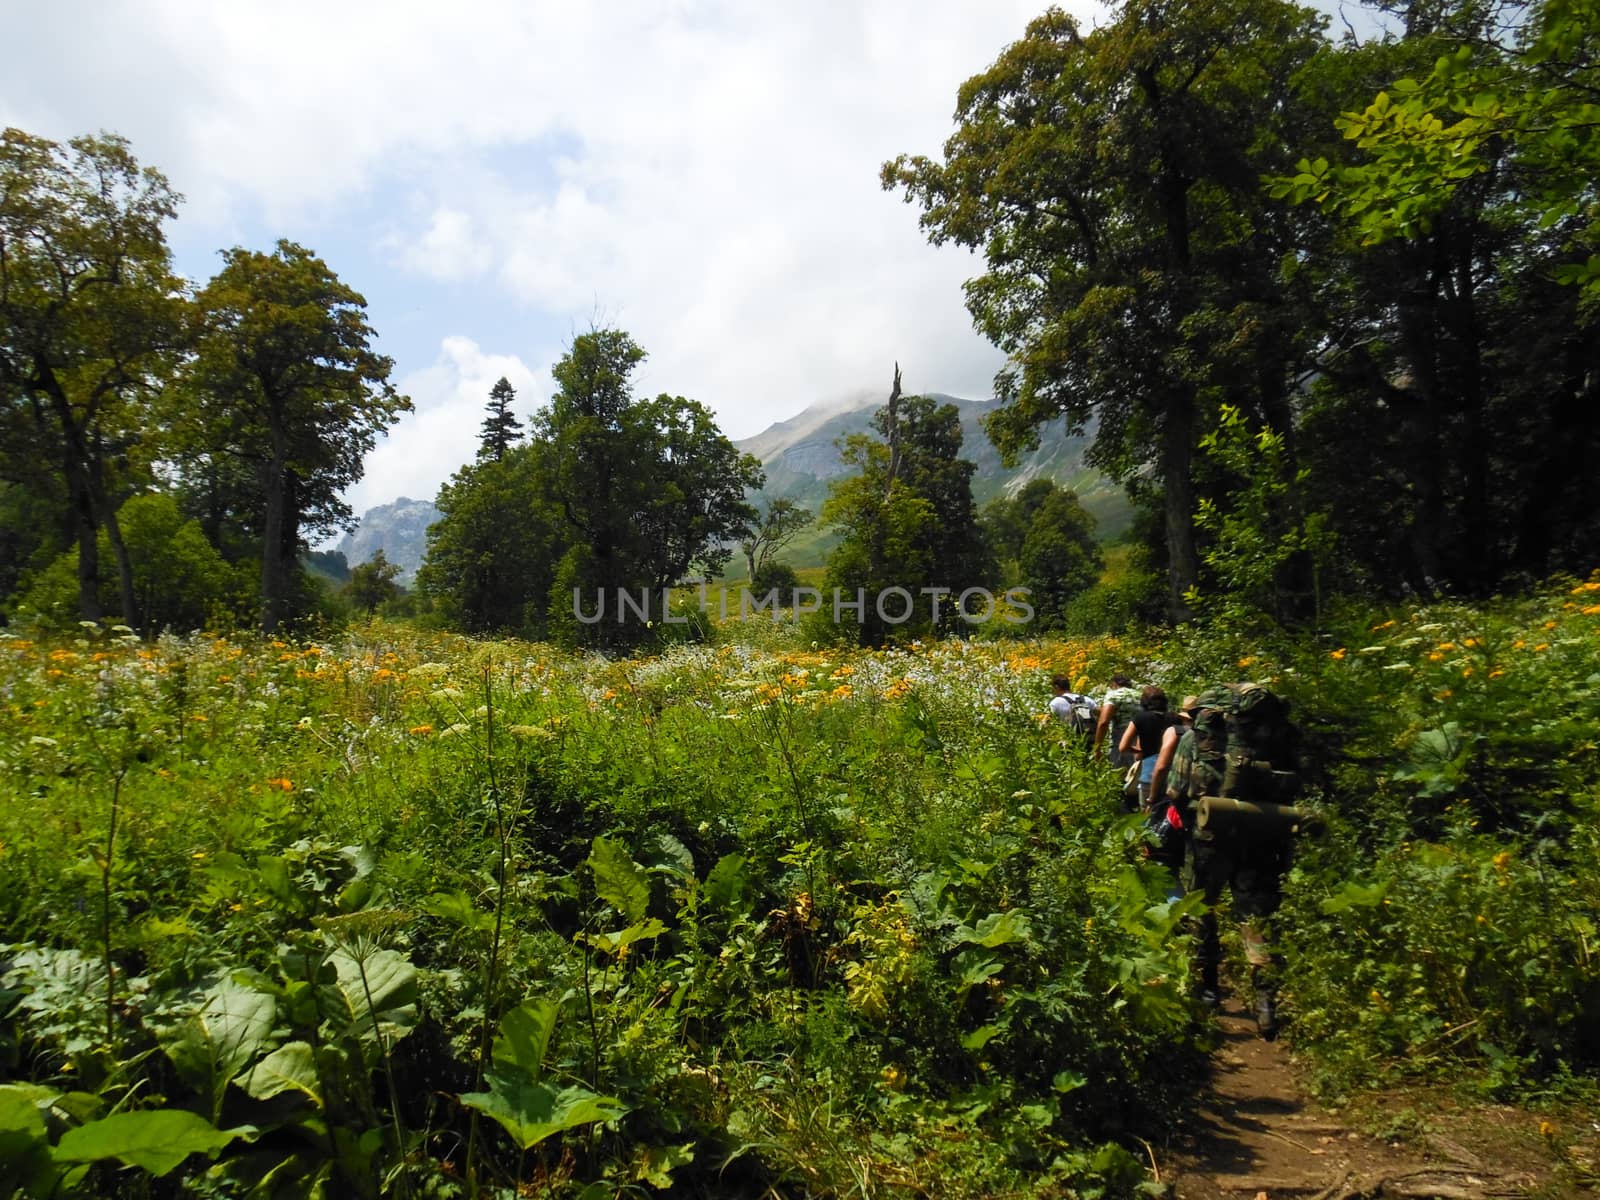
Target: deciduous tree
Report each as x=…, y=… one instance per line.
x=287, y=381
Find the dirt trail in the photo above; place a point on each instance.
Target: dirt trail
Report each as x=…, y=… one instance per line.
x=1258, y=1135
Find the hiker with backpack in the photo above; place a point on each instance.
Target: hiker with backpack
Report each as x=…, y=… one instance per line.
x=1077, y=712
x=1117, y=708
x=1141, y=740
x=1229, y=781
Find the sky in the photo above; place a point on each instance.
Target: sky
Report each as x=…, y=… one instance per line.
x=496, y=177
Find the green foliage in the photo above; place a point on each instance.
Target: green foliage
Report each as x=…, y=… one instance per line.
x=907, y=521
x=1483, y=106
x=372, y=583
x=612, y=494
x=285, y=379
x=1261, y=530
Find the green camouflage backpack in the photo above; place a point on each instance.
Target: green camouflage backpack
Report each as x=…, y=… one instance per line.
x=1260, y=751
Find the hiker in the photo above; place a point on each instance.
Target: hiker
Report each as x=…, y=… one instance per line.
x=1077, y=712
x=1116, y=710
x=1238, y=740
x=1141, y=740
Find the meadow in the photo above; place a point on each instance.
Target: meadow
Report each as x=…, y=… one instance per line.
x=391, y=912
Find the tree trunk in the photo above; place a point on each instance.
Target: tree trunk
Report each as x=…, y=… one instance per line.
x=274, y=580
x=1177, y=454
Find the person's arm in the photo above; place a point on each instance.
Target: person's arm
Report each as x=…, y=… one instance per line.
x=1169, y=751
x=1103, y=724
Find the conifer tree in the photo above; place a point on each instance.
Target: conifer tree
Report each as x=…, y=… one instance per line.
x=501, y=429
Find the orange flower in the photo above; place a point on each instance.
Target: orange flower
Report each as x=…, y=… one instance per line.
x=421, y=730
x=283, y=785
x=1338, y=655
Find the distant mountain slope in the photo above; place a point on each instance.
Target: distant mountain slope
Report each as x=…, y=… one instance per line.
x=801, y=459
x=400, y=530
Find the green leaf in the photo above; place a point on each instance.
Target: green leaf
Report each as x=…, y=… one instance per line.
x=1354, y=895
x=979, y=1037
x=618, y=880
x=379, y=990
x=525, y=1034
x=213, y=1045
x=728, y=886
x=292, y=1067
x=997, y=929
x=611, y=943
x=24, y=1143
x=657, y=1163
x=457, y=907
x=531, y=1111
x=156, y=1140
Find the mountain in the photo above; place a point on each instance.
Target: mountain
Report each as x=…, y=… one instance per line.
x=801, y=459
x=400, y=530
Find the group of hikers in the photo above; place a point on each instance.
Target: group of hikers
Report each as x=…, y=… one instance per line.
x=1215, y=781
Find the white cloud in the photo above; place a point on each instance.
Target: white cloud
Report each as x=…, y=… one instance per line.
x=702, y=172
x=426, y=448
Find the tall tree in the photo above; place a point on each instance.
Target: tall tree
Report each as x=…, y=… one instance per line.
x=611, y=493
x=286, y=380
x=906, y=515
x=1112, y=182
x=647, y=489
x=500, y=430
x=90, y=318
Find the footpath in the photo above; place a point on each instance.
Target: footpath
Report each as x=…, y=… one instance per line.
x=1258, y=1136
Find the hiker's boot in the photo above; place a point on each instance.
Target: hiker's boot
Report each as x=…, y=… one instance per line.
x=1266, y=1014
x=1266, y=1004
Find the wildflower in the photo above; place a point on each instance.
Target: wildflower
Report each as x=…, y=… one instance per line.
x=283, y=785
x=420, y=730
x=1338, y=655
x=1386, y=625
x=1247, y=660
x=1542, y=646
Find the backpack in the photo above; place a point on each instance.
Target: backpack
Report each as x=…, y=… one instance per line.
x=1244, y=745
x=1083, y=713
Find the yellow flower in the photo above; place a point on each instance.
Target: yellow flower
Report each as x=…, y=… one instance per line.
x=1541, y=647
x=1247, y=660
x=283, y=785
x=1338, y=655
x=420, y=730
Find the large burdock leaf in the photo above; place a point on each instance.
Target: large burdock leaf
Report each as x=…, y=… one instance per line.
x=618, y=880
x=231, y=1027
x=156, y=1140
x=525, y=1036
x=24, y=1143
x=531, y=1111
x=289, y=1068
x=379, y=990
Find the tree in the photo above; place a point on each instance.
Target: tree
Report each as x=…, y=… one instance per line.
x=493, y=552
x=1453, y=410
x=906, y=515
x=647, y=489
x=1059, y=559
x=286, y=380
x=90, y=318
x=1111, y=180
x=611, y=494
x=501, y=429
x=373, y=582
x=1514, y=82
x=774, y=529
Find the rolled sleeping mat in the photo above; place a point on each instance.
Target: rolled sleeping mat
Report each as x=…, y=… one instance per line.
x=1226, y=815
